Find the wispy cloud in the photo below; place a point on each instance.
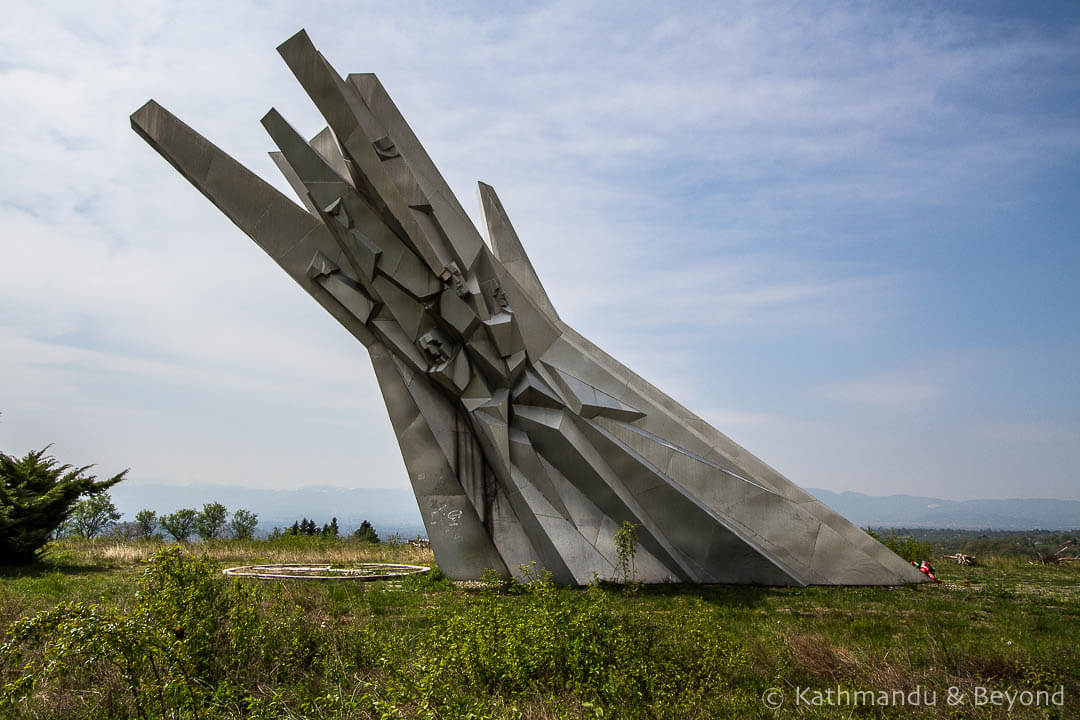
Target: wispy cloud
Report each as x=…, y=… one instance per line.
x=689, y=179
x=890, y=392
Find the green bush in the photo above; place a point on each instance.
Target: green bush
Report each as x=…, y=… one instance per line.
x=907, y=547
x=550, y=640
x=192, y=644
x=37, y=495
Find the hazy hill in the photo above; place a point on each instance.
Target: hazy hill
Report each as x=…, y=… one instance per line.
x=394, y=510
x=913, y=511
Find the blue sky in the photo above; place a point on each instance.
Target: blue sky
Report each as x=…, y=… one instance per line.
x=848, y=235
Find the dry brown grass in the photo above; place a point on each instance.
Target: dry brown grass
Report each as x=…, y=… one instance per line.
x=333, y=551
x=818, y=657
x=828, y=663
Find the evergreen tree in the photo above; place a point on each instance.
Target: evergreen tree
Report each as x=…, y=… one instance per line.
x=333, y=527
x=366, y=533
x=37, y=495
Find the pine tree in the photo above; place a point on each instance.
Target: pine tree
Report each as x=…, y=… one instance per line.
x=37, y=495
x=366, y=533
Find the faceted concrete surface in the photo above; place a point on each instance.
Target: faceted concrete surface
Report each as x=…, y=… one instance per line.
x=524, y=442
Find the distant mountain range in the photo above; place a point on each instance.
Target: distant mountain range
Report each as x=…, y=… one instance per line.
x=927, y=512
x=394, y=510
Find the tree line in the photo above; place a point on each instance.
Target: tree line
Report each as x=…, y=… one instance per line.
x=97, y=515
x=40, y=501
x=364, y=533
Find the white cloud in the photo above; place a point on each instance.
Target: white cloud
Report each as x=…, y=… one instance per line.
x=659, y=163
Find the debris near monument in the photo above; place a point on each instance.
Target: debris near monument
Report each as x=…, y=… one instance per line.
x=1056, y=556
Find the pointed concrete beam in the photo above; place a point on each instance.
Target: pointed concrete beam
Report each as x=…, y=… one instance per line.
x=724, y=550
x=326, y=188
x=321, y=185
x=463, y=237
x=257, y=208
x=537, y=329
x=509, y=251
x=288, y=234
x=345, y=112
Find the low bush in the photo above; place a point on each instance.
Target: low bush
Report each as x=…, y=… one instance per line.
x=549, y=641
x=189, y=645
x=907, y=547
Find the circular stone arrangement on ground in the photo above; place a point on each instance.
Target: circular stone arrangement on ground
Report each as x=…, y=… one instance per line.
x=308, y=571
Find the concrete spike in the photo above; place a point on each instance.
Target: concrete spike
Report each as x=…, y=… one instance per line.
x=508, y=249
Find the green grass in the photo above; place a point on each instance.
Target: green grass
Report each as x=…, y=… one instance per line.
x=167, y=636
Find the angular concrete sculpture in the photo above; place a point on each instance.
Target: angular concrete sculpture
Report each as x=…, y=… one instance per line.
x=524, y=442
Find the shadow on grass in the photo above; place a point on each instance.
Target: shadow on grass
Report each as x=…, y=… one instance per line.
x=737, y=596
x=47, y=566
x=744, y=597
x=733, y=596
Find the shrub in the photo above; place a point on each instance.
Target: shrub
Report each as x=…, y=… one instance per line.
x=626, y=550
x=37, y=495
x=556, y=641
x=192, y=645
x=907, y=547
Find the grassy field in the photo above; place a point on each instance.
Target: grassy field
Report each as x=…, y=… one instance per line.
x=108, y=630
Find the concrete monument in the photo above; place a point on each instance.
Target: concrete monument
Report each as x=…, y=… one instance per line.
x=524, y=442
